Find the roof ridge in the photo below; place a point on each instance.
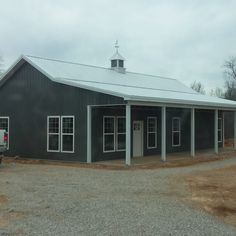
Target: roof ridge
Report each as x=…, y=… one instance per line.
x=100, y=67
x=66, y=62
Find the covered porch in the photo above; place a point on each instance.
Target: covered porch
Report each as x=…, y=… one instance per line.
x=159, y=153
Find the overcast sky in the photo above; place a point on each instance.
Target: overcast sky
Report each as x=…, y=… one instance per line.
x=184, y=39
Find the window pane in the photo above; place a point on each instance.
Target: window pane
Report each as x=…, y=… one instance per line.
x=114, y=63
x=121, y=141
x=109, y=142
x=219, y=136
x=121, y=125
x=176, y=138
x=220, y=124
x=53, y=142
x=151, y=125
x=67, y=125
x=67, y=143
x=176, y=125
x=109, y=125
x=151, y=140
x=54, y=125
x=4, y=124
x=121, y=63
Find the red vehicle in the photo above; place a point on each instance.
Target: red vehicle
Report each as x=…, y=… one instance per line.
x=3, y=142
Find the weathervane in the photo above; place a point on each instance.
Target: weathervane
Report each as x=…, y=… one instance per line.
x=116, y=45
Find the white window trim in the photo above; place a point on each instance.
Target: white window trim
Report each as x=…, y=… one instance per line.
x=220, y=130
x=59, y=136
x=155, y=132
x=72, y=134
x=8, y=127
x=114, y=149
x=178, y=131
x=117, y=133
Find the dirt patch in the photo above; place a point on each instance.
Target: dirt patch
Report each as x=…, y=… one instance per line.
x=3, y=199
x=215, y=192
x=8, y=217
x=171, y=163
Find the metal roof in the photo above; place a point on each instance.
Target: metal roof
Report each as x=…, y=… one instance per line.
x=130, y=86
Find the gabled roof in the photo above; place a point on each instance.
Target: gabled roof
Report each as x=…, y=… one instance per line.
x=117, y=56
x=130, y=86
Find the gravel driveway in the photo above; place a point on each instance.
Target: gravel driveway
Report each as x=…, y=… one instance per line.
x=57, y=200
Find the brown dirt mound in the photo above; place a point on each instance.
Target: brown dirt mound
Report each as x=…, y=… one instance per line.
x=178, y=162
x=215, y=192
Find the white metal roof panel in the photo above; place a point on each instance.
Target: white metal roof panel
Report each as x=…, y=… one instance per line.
x=131, y=86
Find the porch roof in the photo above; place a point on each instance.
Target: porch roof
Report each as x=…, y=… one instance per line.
x=131, y=86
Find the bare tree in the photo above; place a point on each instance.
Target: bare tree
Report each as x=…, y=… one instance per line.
x=217, y=92
x=230, y=78
x=198, y=87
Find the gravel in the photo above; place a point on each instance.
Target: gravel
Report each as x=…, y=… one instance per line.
x=57, y=200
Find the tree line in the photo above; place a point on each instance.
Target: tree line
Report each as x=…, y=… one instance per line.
x=229, y=91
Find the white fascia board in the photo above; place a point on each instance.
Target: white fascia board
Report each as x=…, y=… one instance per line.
x=22, y=57
x=178, y=103
x=91, y=88
x=11, y=67
x=38, y=68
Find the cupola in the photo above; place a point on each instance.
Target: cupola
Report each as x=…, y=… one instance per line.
x=117, y=61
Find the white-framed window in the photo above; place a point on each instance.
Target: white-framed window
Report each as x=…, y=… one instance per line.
x=151, y=132
x=220, y=130
x=4, y=124
x=67, y=134
x=120, y=133
x=176, y=132
x=108, y=134
x=53, y=133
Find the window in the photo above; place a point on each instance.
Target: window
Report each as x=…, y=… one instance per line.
x=53, y=140
x=60, y=134
x=151, y=132
x=114, y=63
x=120, y=134
x=121, y=63
x=220, y=130
x=4, y=124
x=67, y=134
x=176, y=132
x=108, y=134
x=113, y=133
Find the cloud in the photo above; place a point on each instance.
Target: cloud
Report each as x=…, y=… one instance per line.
x=187, y=40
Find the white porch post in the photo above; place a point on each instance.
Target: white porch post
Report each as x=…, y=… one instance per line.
x=163, y=133
x=89, y=134
x=216, y=131
x=128, y=135
x=234, y=130
x=192, y=132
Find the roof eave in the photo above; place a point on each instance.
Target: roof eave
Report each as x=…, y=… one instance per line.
x=134, y=100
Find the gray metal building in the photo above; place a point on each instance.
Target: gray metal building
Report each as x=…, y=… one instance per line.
x=62, y=110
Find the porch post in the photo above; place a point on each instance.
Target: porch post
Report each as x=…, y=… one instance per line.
x=163, y=133
x=128, y=135
x=192, y=132
x=89, y=134
x=234, y=130
x=216, y=131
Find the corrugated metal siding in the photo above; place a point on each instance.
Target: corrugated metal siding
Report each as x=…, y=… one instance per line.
x=29, y=97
